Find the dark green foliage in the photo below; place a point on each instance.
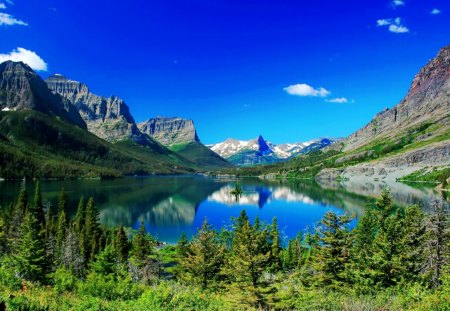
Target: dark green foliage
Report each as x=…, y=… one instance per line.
x=204, y=258
x=333, y=254
x=30, y=254
x=121, y=244
x=38, y=207
x=395, y=259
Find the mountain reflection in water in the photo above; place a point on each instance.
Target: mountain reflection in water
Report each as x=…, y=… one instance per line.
x=171, y=205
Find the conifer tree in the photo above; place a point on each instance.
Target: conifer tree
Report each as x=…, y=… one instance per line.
x=106, y=262
x=71, y=256
x=38, y=207
x=246, y=263
x=183, y=245
x=333, y=252
x=204, y=258
x=80, y=216
x=437, y=247
x=30, y=253
x=92, y=230
x=276, y=250
x=61, y=227
x=141, y=247
x=121, y=244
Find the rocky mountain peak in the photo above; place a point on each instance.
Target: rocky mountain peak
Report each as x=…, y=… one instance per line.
x=170, y=130
x=428, y=100
x=106, y=117
x=21, y=89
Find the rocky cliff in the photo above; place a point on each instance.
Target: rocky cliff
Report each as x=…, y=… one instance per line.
x=428, y=100
x=22, y=89
x=170, y=131
x=106, y=117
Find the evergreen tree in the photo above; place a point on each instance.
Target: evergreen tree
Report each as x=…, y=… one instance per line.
x=183, y=245
x=141, y=247
x=49, y=222
x=106, y=262
x=38, y=207
x=276, y=250
x=92, y=230
x=121, y=244
x=61, y=227
x=80, y=216
x=30, y=253
x=248, y=260
x=437, y=244
x=62, y=202
x=204, y=258
x=332, y=256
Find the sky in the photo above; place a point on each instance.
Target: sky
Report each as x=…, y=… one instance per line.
x=289, y=70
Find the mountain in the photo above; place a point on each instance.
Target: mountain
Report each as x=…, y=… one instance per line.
x=180, y=136
x=22, y=89
x=410, y=141
x=259, y=151
x=107, y=117
x=170, y=131
x=42, y=134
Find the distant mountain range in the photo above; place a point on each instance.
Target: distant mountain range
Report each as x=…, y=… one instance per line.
x=259, y=151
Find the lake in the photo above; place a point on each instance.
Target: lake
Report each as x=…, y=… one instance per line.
x=171, y=205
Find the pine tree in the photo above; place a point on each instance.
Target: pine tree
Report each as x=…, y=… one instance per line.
x=92, y=230
x=333, y=253
x=62, y=202
x=106, y=262
x=30, y=253
x=80, y=216
x=437, y=244
x=17, y=215
x=183, y=245
x=248, y=260
x=204, y=258
x=276, y=250
x=61, y=227
x=141, y=247
x=121, y=244
x=38, y=207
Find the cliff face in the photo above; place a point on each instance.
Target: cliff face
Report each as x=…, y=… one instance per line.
x=428, y=100
x=106, y=117
x=22, y=89
x=170, y=131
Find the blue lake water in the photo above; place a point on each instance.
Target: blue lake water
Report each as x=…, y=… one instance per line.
x=172, y=205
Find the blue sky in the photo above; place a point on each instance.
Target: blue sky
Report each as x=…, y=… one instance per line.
x=289, y=70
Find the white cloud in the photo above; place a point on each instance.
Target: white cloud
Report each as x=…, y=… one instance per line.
x=2, y=5
x=398, y=29
x=384, y=22
x=28, y=57
x=339, y=100
x=306, y=90
x=396, y=3
x=9, y=20
x=395, y=25
x=9, y=2
x=435, y=12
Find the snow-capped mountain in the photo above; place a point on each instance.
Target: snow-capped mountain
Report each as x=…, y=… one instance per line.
x=260, y=151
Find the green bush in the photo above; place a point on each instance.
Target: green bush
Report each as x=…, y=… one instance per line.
x=8, y=276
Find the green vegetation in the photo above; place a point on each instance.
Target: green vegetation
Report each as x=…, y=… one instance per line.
x=309, y=165
x=202, y=156
x=433, y=175
x=35, y=145
x=394, y=259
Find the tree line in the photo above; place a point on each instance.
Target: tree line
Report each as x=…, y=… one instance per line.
x=248, y=264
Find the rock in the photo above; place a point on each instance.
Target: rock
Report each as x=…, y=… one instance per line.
x=170, y=131
x=106, y=117
x=428, y=100
x=22, y=89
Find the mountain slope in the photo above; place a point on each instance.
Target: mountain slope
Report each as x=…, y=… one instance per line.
x=170, y=131
x=22, y=89
x=259, y=151
x=180, y=136
x=412, y=137
x=107, y=117
x=36, y=145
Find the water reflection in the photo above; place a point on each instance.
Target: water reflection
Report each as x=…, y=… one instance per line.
x=171, y=205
